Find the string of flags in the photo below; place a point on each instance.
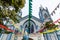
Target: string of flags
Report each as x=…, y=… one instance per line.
x=57, y=20
x=50, y=31
x=53, y=12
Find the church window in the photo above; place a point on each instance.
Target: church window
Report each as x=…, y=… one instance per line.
x=32, y=26
x=31, y=29
x=45, y=15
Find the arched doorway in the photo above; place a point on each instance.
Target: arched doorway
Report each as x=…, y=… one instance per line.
x=32, y=25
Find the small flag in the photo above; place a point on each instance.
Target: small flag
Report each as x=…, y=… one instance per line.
x=52, y=14
x=58, y=6
x=55, y=8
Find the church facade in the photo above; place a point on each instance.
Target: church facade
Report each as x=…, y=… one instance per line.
x=35, y=25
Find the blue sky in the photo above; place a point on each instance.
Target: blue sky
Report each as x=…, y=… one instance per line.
x=50, y=4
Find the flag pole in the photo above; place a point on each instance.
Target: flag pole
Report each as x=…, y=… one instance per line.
x=30, y=14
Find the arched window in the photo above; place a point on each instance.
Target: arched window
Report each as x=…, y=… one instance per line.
x=45, y=15
x=32, y=29
x=26, y=26
x=32, y=26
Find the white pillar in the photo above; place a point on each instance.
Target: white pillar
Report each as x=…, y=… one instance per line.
x=13, y=35
x=4, y=37
x=1, y=36
x=53, y=36
x=40, y=36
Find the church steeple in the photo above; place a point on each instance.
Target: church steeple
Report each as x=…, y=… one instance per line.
x=44, y=14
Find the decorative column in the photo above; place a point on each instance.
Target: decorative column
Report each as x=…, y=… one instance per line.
x=30, y=15
x=27, y=31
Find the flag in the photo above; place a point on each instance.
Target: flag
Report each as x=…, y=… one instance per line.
x=55, y=8
x=52, y=14
x=54, y=11
x=58, y=6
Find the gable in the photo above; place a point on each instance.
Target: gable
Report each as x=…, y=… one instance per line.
x=33, y=17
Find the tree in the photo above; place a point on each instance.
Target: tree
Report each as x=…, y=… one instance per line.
x=9, y=8
x=5, y=6
x=59, y=22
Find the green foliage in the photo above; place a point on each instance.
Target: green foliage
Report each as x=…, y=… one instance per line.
x=50, y=25
x=59, y=22
x=12, y=14
x=0, y=30
x=7, y=32
x=8, y=13
x=15, y=3
x=4, y=31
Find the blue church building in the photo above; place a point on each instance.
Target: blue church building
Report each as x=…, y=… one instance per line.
x=36, y=24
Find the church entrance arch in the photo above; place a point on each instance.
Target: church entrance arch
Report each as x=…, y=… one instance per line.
x=32, y=26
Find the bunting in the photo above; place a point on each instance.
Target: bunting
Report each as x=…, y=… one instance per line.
x=50, y=31
x=53, y=12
